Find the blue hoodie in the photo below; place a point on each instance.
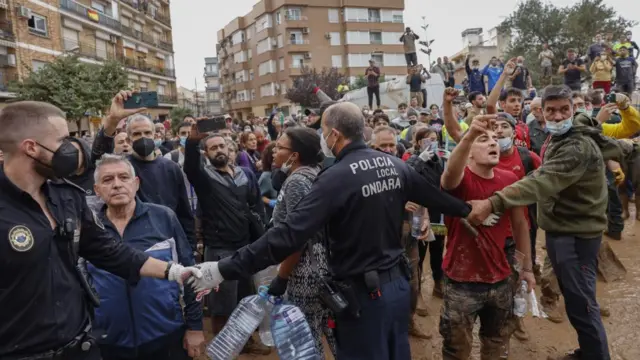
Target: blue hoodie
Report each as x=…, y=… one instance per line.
x=142, y=316
x=493, y=74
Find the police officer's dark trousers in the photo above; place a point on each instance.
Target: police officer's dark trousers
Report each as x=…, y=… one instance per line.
x=575, y=262
x=382, y=330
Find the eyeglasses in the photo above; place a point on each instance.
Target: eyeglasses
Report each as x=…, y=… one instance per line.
x=278, y=147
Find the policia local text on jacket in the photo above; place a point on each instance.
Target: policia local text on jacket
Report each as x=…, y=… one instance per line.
x=361, y=200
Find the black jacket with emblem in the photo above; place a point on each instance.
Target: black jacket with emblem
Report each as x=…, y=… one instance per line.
x=361, y=200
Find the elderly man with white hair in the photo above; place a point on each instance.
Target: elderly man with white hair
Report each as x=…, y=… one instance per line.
x=537, y=126
x=146, y=319
x=161, y=180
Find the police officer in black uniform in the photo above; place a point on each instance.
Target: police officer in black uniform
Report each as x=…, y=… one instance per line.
x=45, y=226
x=361, y=200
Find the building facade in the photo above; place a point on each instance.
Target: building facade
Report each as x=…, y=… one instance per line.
x=193, y=100
x=213, y=98
x=135, y=32
x=262, y=52
x=483, y=46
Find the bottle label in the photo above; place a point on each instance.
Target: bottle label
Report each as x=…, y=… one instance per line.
x=293, y=315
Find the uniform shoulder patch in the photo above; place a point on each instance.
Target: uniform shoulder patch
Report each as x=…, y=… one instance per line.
x=96, y=220
x=20, y=238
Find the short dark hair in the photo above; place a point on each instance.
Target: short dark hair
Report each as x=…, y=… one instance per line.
x=596, y=96
x=306, y=142
x=19, y=121
x=381, y=116
x=571, y=50
x=504, y=94
x=577, y=95
x=403, y=105
x=424, y=132
x=203, y=142
x=187, y=116
x=556, y=92
x=473, y=95
x=184, y=124
x=267, y=156
x=378, y=111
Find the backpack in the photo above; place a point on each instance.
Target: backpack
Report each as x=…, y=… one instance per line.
x=175, y=157
x=527, y=161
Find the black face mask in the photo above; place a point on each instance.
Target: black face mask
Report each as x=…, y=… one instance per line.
x=143, y=147
x=219, y=160
x=278, y=176
x=63, y=163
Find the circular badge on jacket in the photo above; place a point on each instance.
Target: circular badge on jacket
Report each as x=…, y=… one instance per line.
x=20, y=238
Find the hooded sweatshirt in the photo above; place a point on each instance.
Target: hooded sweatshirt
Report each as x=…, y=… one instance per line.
x=570, y=186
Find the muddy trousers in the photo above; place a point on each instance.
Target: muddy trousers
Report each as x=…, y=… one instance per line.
x=614, y=208
x=463, y=304
x=575, y=262
x=413, y=255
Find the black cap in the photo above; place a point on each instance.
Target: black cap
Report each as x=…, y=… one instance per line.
x=507, y=117
x=308, y=112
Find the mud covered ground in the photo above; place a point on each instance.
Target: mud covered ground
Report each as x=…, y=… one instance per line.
x=546, y=338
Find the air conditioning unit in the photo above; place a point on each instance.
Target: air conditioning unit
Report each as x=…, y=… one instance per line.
x=11, y=60
x=24, y=12
x=305, y=30
x=307, y=56
x=113, y=39
x=327, y=36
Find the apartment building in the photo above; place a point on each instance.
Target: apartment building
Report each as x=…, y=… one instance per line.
x=261, y=53
x=483, y=45
x=134, y=32
x=213, y=98
x=193, y=100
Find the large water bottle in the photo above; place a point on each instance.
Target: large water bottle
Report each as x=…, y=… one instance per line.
x=416, y=222
x=241, y=324
x=260, y=279
x=292, y=334
x=520, y=301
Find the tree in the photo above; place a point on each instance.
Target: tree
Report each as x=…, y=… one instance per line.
x=177, y=114
x=535, y=23
x=327, y=79
x=361, y=82
x=75, y=87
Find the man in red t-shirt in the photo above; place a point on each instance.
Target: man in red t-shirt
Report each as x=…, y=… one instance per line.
x=477, y=273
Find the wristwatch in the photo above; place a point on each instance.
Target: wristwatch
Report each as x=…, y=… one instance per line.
x=166, y=271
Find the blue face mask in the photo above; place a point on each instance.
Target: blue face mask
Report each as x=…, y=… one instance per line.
x=183, y=141
x=157, y=142
x=561, y=127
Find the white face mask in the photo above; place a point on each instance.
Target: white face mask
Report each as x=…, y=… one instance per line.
x=561, y=127
x=505, y=144
x=325, y=147
x=286, y=168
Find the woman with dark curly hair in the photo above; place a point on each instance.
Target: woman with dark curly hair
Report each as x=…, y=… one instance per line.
x=268, y=193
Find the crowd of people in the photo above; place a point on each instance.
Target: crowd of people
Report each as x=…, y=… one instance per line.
x=331, y=197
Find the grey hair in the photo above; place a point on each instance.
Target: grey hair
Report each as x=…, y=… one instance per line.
x=347, y=118
x=108, y=159
x=137, y=118
x=382, y=129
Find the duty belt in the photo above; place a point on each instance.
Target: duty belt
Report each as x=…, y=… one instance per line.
x=81, y=343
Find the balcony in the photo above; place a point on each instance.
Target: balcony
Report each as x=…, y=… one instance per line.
x=296, y=69
x=296, y=21
x=90, y=14
x=146, y=38
x=167, y=99
x=6, y=31
x=165, y=19
x=143, y=6
x=4, y=4
x=142, y=65
x=213, y=88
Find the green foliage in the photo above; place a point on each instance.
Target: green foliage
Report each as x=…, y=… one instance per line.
x=73, y=86
x=177, y=114
x=361, y=82
x=535, y=22
x=327, y=79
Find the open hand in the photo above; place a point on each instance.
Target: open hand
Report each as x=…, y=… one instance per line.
x=411, y=207
x=117, y=111
x=605, y=112
x=193, y=342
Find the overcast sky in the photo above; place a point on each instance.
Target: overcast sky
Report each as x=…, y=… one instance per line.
x=196, y=22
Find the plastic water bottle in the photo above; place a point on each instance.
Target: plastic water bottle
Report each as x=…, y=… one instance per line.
x=292, y=334
x=520, y=301
x=241, y=324
x=416, y=222
x=260, y=279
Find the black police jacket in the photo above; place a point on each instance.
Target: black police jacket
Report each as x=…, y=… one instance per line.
x=361, y=200
x=43, y=304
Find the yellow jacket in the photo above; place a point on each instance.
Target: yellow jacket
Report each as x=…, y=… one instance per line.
x=629, y=125
x=601, y=70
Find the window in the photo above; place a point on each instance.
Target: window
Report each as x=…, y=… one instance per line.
x=250, y=74
x=264, y=22
x=267, y=90
x=391, y=38
x=101, y=48
x=356, y=15
x=264, y=46
x=394, y=60
x=137, y=27
x=266, y=67
x=98, y=6
x=358, y=60
x=295, y=38
x=37, y=24
x=240, y=76
x=280, y=41
x=239, y=57
x=237, y=37
x=70, y=39
x=375, y=38
x=358, y=38
x=37, y=65
x=250, y=31
x=378, y=58
x=335, y=38
x=397, y=16
x=281, y=63
x=283, y=88
x=160, y=89
x=336, y=61
x=143, y=86
x=241, y=95
x=278, y=19
x=249, y=54
x=374, y=15
x=253, y=94
x=334, y=16
x=294, y=14
x=297, y=61
x=125, y=21
x=132, y=84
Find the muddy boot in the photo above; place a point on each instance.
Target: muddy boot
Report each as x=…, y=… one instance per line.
x=552, y=309
x=520, y=333
x=537, y=273
x=422, y=309
x=504, y=351
x=416, y=331
x=437, y=290
x=604, y=311
x=572, y=355
x=624, y=200
x=255, y=347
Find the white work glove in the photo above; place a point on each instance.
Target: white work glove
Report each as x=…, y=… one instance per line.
x=426, y=155
x=180, y=274
x=491, y=220
x=210, y=277
x=623, y=101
